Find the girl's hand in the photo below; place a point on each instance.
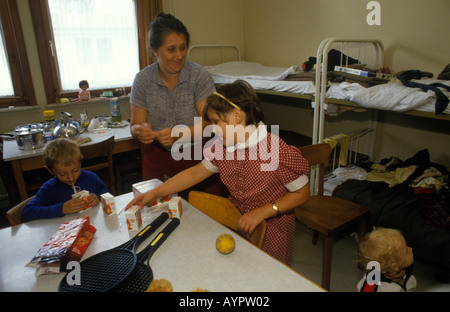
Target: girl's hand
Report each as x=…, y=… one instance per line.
x=74, y=205
x=142, y=199
x=249, y=221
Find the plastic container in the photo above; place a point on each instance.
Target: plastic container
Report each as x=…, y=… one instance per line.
x=116, y=116
x=49, y=116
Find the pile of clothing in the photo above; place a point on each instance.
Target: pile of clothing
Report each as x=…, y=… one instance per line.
x=429, y=182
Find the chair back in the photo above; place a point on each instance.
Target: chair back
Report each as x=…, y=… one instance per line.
x=14, y=214
x=318, y=156
x=99, y=156
x=225, y=212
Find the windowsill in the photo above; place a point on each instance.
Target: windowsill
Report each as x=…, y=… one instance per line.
x=99, y=100
x=94, y=101
x=18, y=109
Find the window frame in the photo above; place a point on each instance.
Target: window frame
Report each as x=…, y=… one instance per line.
x=146, y=10
x=17, y=58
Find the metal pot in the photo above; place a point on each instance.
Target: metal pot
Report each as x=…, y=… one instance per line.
x=29, y=136
x=66, y=129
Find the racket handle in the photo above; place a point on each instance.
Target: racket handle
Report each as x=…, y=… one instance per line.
x=158, y=240
x=149, y=229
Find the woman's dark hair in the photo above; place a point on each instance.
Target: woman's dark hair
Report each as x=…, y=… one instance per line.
x=163, y=25
x=242, y=95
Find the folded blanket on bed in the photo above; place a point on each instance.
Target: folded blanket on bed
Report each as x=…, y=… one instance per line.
x=249, y=70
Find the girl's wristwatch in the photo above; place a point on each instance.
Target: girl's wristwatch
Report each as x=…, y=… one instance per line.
x=275, y=207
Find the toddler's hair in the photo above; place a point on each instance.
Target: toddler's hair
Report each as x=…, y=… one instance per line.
x=381, y=245
x=241, y=94
x=62, y=151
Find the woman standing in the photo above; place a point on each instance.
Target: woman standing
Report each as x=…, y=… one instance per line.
x=170, y=92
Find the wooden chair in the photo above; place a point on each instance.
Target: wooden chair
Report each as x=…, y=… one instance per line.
x=328, y=215
x=223, y=211
x=128, y=169
x=99, y=156
x=14, y=214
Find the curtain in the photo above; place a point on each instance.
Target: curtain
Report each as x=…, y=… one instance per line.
x=147, y=11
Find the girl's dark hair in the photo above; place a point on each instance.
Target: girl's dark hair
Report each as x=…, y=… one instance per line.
x=241, y=94
x=163, y=25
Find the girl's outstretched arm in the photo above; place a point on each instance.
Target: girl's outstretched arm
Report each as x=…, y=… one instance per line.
x=180, y=182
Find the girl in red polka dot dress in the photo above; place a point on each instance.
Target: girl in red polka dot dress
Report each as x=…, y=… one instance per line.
x=266, y=177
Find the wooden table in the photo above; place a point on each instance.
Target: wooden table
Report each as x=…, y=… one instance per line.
x=23, y=161
x=188, y=258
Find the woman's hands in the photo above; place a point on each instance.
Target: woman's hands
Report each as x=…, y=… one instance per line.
x=165, y=137
x=145, y=134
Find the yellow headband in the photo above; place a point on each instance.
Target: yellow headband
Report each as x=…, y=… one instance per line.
x=232, y=104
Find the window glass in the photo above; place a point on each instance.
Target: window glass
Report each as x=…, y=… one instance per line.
x=95, y=40
x=6, y=85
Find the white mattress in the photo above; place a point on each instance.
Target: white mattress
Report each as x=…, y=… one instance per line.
x=393, y=96
x=260, y=77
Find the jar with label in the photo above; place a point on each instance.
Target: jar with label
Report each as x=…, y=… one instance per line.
x=116, y=116
x=49, y=116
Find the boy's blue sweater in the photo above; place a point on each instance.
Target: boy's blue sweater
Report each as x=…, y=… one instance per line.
x=51, y=197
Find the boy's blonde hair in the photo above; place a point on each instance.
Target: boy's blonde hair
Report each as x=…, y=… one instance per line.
x=381, y=245
x=62, y=151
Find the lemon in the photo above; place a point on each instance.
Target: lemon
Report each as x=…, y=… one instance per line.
x=225, y=244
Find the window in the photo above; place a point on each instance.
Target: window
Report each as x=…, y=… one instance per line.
x=101, y=41
x=16, y=86
x=6, y=88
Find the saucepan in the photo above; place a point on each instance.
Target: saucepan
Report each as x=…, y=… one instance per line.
x=67, y=128
x=29, y=136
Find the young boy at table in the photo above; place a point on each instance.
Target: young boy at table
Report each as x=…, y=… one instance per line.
x=266, y=177
x=387, y=249
x=62, y=158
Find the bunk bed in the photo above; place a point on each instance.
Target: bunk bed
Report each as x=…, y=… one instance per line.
x=426, y=229
x=320, y=86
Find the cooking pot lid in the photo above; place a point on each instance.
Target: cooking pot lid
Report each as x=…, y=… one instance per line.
x=28, y=127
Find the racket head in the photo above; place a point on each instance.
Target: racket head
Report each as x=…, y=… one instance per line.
x=139, y=280
x=102, y=272
x=107, y=270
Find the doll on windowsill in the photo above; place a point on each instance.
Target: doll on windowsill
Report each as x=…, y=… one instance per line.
x=84, y=94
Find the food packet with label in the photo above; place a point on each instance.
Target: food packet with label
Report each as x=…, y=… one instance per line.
x=68, y=243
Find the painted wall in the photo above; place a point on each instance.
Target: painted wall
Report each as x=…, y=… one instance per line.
x=287, y=32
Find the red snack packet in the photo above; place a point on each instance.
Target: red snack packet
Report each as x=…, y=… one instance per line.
x=68, y=243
